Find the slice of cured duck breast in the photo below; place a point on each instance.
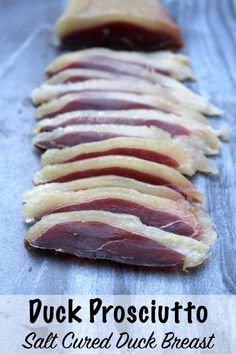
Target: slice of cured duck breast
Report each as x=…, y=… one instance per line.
x=167, y=151
x=192, y=130
x=111, y=101
x=130, y=167
x=79, y=134
x=81, y=75
x=116, y=237
x=178, y=217
x=178, y=94
x=134, y=64
x=104, y=181
x=176, y=88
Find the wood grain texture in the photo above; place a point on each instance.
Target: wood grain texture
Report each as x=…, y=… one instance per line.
x=26, y=48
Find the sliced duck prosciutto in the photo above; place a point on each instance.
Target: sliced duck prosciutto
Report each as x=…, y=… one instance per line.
x=191, y=130
x=118, y=24
x=104, y=181
x=116, y=237
x=110, y=101
x=132, y=64
x=130, y=167
x=176, y=88
x=176, y=217
x=177, y=95
x=79, y=134
x=166, y=151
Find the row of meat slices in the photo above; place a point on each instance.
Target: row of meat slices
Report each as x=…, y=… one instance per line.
x=119, y=132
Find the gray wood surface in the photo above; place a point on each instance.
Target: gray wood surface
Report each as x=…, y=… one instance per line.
x=209, y=28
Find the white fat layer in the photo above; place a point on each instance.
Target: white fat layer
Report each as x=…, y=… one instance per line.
x=104, y=181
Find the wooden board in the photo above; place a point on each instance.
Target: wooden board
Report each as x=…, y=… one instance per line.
x=26, y=48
